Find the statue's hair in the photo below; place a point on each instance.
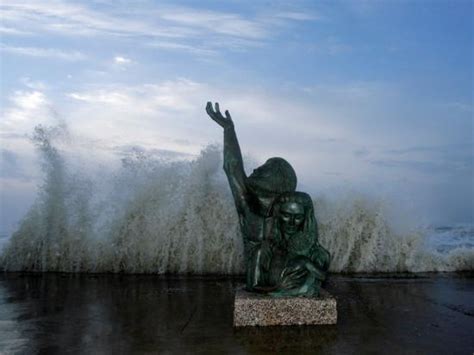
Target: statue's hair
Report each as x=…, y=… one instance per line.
x=281, y=177
x=310, y=226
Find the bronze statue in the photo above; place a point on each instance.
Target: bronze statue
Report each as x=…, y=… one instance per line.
x=282, y=255
x=299, y=263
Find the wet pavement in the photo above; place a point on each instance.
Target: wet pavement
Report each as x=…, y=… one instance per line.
x=140, y=314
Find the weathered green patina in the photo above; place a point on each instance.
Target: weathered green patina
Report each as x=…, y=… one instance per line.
x=282, y=253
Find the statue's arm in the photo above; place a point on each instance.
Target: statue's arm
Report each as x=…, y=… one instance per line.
x=233, y=162
x=234, y=167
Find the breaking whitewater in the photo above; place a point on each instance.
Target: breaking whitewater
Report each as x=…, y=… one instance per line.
x=153, y=215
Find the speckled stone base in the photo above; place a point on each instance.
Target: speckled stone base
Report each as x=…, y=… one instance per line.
x=252, y=309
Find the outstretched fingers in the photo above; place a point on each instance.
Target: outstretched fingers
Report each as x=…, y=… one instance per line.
x=215, y=113
x=210, y=110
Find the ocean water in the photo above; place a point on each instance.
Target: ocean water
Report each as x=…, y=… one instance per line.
x=444, y=239
x=154, y=215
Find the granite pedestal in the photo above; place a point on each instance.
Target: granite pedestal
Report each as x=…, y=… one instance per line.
x=251, y=309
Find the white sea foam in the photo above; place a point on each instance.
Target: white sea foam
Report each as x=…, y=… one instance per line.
x=156, y=216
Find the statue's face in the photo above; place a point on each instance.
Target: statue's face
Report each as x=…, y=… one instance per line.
x=291, y=217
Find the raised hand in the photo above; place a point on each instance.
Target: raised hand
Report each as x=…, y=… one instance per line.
x=216, y=115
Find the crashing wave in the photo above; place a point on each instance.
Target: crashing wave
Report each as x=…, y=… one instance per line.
x=160, y=216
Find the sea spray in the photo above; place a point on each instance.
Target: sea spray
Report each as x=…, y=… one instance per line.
x=153, y=215
x=359, y=237
x=179, y=219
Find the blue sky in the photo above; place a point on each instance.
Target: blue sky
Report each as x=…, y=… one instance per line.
x=371, y=96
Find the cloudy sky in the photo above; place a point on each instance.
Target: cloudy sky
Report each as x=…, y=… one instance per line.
x=370, y=96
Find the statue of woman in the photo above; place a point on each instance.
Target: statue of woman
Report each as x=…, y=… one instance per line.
x=298, y=263
x=253, y=197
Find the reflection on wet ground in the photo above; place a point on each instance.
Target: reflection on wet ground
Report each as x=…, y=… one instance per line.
x=118, y=314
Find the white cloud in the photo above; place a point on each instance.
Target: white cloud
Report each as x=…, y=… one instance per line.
x=135, y=115
x=299, y=16
x=146, y=98
x=168, y=25
x=65, y=18
x=101, y=97
x=13, y=31
x=33, y=84
x=321, y=126
x=141, y=115
x=217, y=22
x=31, y=100
x=183, y=48
x=44, y=52
x=122, y=60
x=27, y=109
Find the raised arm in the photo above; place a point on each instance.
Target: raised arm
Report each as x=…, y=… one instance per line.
x=233, y=163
